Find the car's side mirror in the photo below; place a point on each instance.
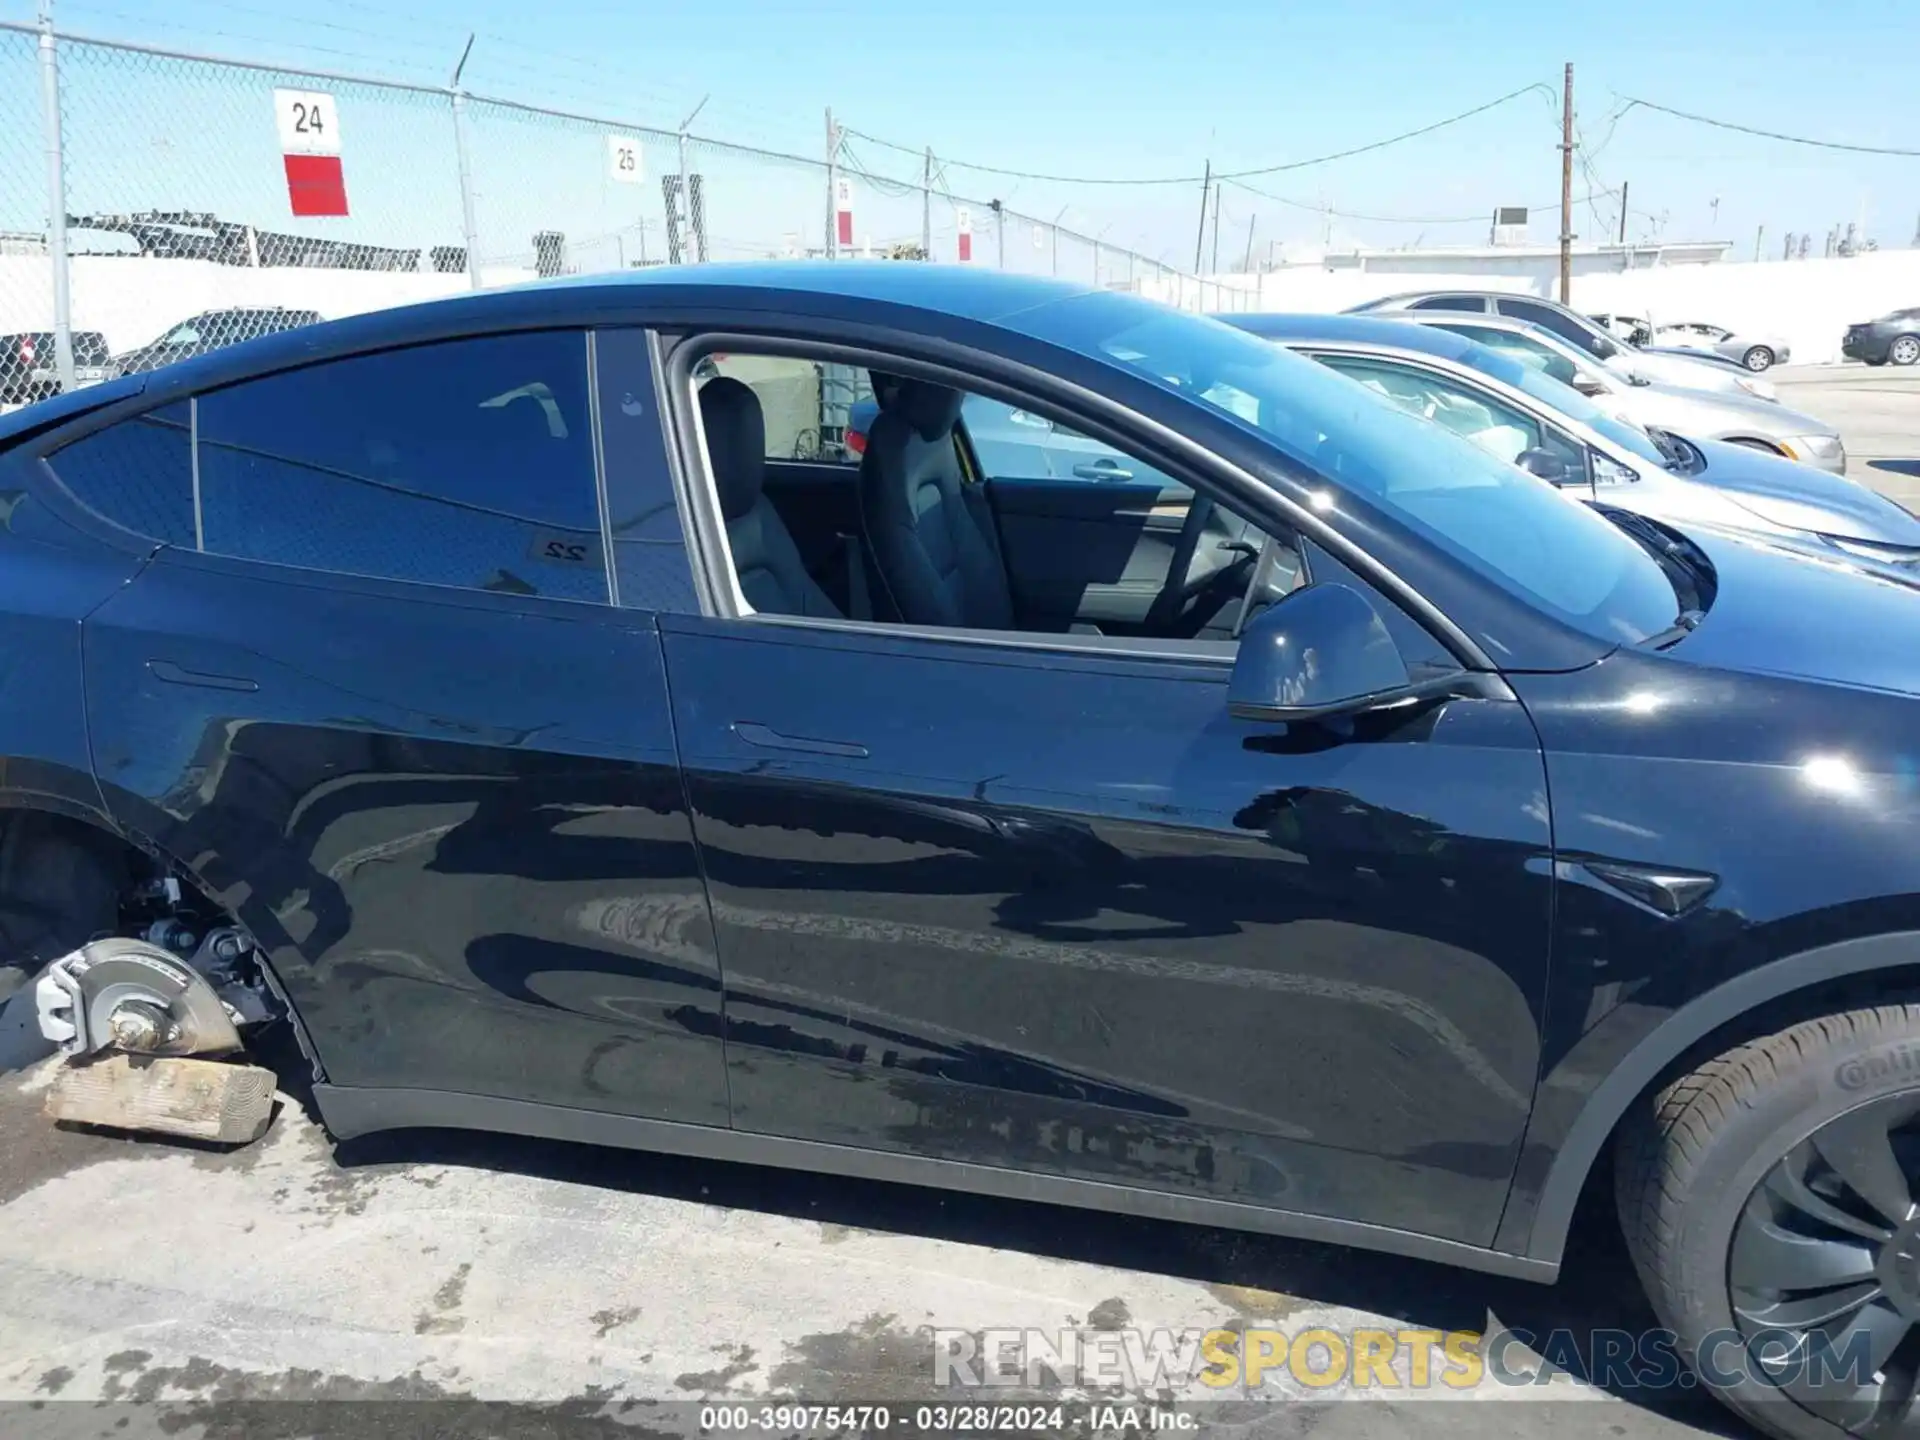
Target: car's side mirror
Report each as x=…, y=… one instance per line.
x=1543, y=463
x=1589, y=384
x=1322, y=650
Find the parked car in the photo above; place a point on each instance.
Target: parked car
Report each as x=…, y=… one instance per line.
x=210, y=330
x=1755, y=352
x=1413, y=834
x=1699, y=414
x=1682, y=370
x=28, y=370
x=1634, y=329
x=1524, y=415
x=1893, y=339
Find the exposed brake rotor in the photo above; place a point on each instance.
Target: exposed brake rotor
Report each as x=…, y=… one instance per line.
x=131, y=995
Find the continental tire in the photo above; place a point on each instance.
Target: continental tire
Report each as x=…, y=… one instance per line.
x=1767, y=1199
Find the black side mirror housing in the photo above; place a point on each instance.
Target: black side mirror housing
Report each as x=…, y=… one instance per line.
x=1322, y=650
x=1544, y=463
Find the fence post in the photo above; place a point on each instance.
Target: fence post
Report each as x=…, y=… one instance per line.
x=695, y=244
x=1056, y=247
x=56, y=201
x=469, y=228
x=926, y=208
x=1000, y=234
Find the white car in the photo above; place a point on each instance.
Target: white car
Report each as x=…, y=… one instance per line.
x=1756, y=352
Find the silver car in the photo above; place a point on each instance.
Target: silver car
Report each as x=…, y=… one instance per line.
x=1732, y=416
x=1755, y=352
x=1669, y=368
x=1523, y=415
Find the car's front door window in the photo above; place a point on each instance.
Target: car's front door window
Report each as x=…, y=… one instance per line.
x=979, y=513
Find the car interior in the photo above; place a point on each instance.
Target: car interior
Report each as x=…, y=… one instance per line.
x=913, y=519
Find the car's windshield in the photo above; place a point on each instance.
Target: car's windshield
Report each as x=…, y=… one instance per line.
x=1529, y=380
x=1508, y=525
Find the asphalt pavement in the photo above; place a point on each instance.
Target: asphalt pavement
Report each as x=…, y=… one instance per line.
x=1877, y=410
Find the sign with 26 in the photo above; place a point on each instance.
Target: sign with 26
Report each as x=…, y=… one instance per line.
x=623, y=159
x=308, y=122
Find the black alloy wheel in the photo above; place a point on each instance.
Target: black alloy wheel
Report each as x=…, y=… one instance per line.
x=1824, y=1268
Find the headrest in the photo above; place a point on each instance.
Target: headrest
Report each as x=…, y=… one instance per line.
x=931, y=410
x=736, y=442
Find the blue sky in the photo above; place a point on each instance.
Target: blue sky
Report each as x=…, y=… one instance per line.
x=1127, y=88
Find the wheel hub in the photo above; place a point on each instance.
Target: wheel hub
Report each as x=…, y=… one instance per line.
x=1825, y=1262
x=1898, y=1268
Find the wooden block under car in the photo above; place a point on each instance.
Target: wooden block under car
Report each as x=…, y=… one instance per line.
x=176, y=1095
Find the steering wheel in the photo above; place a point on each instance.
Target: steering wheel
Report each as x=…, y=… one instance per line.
x=1178, y=588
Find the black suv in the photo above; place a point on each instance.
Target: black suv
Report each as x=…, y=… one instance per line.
x=1307, y=823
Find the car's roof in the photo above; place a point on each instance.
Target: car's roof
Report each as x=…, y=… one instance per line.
x=1387, y=302
x=1354, y=329
x=967, y=291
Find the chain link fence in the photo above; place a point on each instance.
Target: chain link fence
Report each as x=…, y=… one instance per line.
x=208, y=201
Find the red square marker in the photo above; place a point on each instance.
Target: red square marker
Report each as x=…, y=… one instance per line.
x=316, y=185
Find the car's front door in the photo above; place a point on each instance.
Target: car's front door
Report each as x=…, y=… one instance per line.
x=374, y=692
x=1041, y=904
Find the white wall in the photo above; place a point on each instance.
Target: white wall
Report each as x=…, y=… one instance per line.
x=1807, y=303
x=132, y=299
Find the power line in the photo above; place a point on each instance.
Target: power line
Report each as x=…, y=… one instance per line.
x=1230, y=175
x=1768, y=134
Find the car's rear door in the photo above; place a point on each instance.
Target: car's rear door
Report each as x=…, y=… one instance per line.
x=375, y=690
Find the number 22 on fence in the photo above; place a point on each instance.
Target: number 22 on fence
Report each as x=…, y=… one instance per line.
x=309, y=127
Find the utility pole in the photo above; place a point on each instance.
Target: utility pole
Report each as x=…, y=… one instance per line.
x=1216, y=229
x=833, y=186
x=1246, y=265
x=1200, y=239
x=1759, y=239
x=1624, y=184
x=926, y=208
x=56, y=202
x=1566, y=191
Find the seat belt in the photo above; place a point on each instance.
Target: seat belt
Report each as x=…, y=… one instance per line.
x=859, y=602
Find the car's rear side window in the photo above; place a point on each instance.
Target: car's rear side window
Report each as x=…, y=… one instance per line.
x=138, y=474
x=466, y=463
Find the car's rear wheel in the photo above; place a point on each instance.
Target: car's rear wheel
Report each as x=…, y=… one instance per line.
x=1905, y=350
x=1768, y=1202
x=1758, y=358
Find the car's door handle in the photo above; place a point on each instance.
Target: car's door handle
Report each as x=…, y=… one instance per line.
x=1102, y=470
x=767, y=738
x=178, y=675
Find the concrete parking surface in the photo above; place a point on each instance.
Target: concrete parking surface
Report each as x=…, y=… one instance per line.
x=290, y=1288
x=251, y=1292
x=1877, y=410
